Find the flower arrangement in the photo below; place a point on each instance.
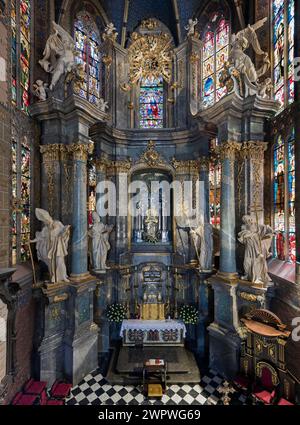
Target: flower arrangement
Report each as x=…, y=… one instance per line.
x=116, y=313
x=188, y=314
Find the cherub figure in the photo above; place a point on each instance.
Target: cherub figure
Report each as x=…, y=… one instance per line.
x=190, y=27
x=39, y=90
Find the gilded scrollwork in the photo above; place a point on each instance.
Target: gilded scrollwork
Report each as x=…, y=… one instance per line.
x=80, y=151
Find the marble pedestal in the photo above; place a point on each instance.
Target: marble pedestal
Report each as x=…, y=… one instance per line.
x=66, y=340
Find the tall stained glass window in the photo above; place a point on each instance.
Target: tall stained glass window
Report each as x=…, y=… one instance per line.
x=283, y=47
x=215, y=193
x=87, y=45
x=284, y=198
x=152, y=103
x=215, y=53
x=91, y=189
x=20, y=53
x=21, y=182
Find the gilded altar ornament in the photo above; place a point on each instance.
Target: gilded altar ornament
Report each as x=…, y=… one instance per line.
x=107, y=60
x=194, y=58
x=151, y=157
x=59, y=54
x=149, y=24
x=52, y=245
x=150, y=57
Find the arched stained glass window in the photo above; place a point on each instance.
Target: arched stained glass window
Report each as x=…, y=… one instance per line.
x=20, y=53
x=215, y=53
x=283, y=44
x=284, y=198
x=21, y=182
x=152, y=103
x=88, y=47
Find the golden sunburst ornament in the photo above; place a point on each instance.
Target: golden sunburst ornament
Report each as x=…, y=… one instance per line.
x=150, y=57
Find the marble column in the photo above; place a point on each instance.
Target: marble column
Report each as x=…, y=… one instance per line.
x=79, y=266
x=228, y=232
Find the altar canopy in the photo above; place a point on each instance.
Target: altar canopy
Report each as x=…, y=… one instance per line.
x=153, y=332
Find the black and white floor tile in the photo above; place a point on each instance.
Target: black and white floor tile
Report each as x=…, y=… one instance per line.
x=95, y=389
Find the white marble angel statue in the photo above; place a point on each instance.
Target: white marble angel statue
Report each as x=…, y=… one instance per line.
x=58, y=56
x=99, y=233
x=242, y=62
x=202, y=237
x=190, y=27
x=52, y=245
x=257, y=239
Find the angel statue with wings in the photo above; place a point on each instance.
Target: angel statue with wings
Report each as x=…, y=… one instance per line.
x=59, y=54
x=52, y=245
x=243, y=63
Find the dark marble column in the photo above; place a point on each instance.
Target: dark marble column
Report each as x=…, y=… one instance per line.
x=79, y=217
x=228, y=232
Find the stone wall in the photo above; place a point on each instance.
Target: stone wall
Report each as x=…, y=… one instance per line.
x=3, y=350
x=5, y=148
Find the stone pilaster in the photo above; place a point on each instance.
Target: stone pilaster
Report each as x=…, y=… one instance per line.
x=251, y=177
x=51, y=179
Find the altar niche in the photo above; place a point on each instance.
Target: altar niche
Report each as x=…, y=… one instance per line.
x=152, y=291
x=152, y=225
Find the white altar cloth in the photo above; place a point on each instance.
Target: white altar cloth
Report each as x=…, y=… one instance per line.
x=151, y=325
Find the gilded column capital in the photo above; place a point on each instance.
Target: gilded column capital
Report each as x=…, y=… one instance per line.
x=253, y=150
x=64, y=153
x=186, y=167
x=50, y=152
x=228, y=150
x=80, y=151
x=116, y=167
x=101, y=165
x=204, y=163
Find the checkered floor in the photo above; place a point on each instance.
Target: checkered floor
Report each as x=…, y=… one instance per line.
x=95, y=389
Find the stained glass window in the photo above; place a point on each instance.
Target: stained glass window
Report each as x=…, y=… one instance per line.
x=283, y=43
x=215, y=54
x=87, y=46
x=151, y=103
x=215, y=193
x=21, y=181
x=20, y=53
x=91, y=189
x=284, y=198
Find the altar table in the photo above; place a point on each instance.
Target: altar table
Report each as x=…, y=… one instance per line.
x=153, y=332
